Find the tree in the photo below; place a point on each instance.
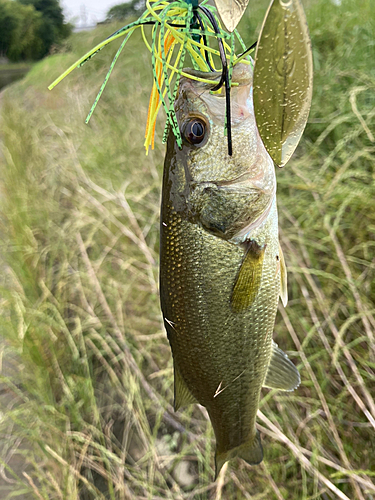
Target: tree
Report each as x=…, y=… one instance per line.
x=124, y=10
x=28, y=28
x=53, y=28
x=20, y=27
x=7, y=24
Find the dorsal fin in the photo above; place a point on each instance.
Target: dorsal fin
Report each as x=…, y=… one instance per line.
x=249, y=277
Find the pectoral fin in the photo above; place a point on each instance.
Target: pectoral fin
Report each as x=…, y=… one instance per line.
x=182, y=395
x=283, y=279
x=249, y=278
x=282, y=374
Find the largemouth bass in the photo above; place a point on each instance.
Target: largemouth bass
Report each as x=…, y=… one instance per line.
x=221, y=267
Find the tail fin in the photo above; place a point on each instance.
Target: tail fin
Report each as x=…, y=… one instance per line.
x=250, y=451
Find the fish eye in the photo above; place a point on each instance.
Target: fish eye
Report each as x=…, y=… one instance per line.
x=195, y=131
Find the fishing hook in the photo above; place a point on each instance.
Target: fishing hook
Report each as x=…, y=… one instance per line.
x=200, y=22
x=224, y=77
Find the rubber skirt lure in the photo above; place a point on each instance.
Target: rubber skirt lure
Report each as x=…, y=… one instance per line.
x=178, y=29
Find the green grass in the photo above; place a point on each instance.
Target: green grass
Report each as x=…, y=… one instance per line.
x=80, y=309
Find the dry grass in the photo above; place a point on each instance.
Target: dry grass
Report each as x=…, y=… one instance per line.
x=80, y=300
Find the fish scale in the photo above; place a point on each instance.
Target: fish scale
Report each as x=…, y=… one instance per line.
x=221, y=337
x=223, y=343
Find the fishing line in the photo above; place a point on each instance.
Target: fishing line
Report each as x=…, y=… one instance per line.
x=224, y=78
x=223, y=58
x=200, y=22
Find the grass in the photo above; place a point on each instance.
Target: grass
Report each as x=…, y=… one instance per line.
x=91, y=396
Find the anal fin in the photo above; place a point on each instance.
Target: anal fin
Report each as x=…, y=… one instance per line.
x=282, y=374
x=182, y=395
x=251, y=451
x=249, y=278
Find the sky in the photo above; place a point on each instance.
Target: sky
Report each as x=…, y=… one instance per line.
x=87, y=11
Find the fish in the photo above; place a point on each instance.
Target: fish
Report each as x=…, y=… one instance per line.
x=222, y=270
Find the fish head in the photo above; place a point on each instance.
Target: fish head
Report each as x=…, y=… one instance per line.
x=229, y=195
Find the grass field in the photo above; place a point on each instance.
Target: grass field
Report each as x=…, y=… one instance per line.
x=92, y=393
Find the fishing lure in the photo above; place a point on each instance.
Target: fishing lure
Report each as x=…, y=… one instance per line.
x=282, y=75
x=283, y=79
x=178, y=28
